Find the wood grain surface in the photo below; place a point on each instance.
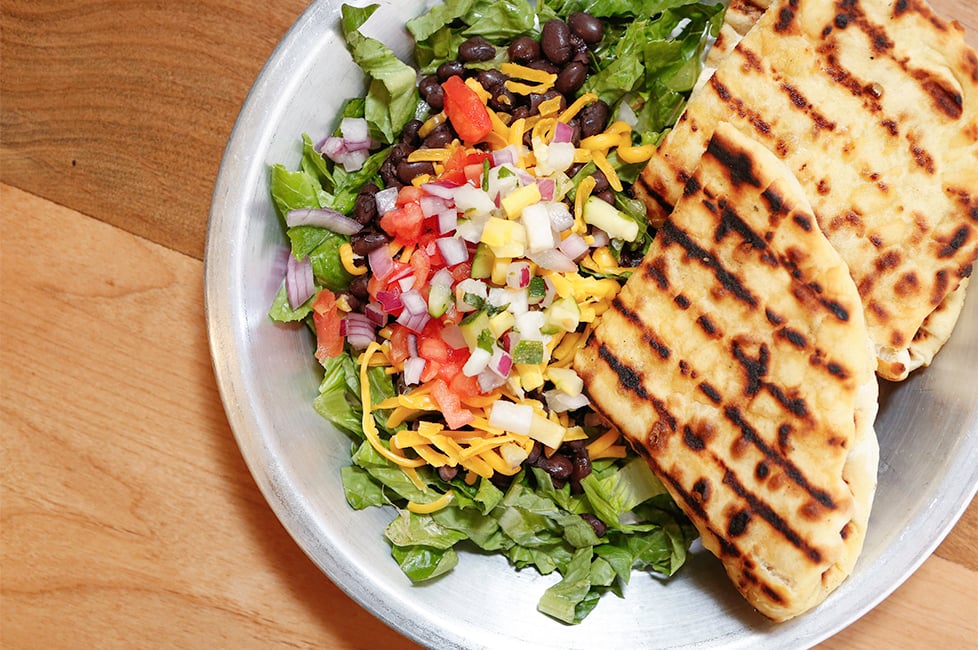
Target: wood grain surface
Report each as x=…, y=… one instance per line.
x=127, y=516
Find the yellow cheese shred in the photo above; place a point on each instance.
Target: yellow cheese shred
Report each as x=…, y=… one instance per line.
x=526, y=73
x=602, y=163
x=369, y=425
x=584, y=190
x=575, y=108
x=432, y=506
x=349, y=262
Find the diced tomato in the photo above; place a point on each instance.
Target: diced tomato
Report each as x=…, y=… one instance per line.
x=430, y=371
x=466, y=111
x=464, y=386
x=408, y=194
x=404, y=223
x=422, y=267
x=456, y=416
x=461, y=271
x=399, y=343
x=473, y=174
x=326, y=317
x=434, y=349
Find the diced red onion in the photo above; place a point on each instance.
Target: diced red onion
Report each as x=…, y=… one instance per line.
x=432, y=205
x=526, y=178
x=412, y=343
x=601, y=238
x=414, y=322
x=553, y=260
x=442, y=277
x=518, y=275
x=500, y=363
x=358, y=329
x=323, y=218
x=299, y=281
x=381, y=262
x=573, y=246
x=489, y=380
x=389, y=301
x=563, y=132
x=507, y=155
x=559, y=401
x=550, y=294
x=441, y=189
x=547, y=188
x=406, y=283
x=386, y=200
x=332, y=146
x=447, y=221
x=354, y=129
x=413, y=368
x=452, y=250
x=375, y=313
x=509, y=340
x=414, y=302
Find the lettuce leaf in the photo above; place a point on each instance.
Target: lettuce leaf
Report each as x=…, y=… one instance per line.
x=392, y=94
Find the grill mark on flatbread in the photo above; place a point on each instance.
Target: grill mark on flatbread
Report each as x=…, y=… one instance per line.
x=656, y=273
x=955, y=242
x=648, y=335
x=767, y=513
x=707, y=389
x=793, y=337
x=728, y=280
x=733, y=414
x=731, y=221
x=627, y=376
x=760, y=125
x=821, y=122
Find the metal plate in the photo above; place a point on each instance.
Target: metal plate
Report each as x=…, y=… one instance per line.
x=928, y=425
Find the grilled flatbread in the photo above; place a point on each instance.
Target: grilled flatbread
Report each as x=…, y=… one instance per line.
x=737, y=360
x=873, y=104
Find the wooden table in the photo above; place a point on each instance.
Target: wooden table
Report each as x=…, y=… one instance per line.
x=128, y=516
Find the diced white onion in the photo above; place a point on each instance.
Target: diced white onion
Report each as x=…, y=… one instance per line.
x=558, y=401
x=477, y=362
x=573, y=246
x=553, y=260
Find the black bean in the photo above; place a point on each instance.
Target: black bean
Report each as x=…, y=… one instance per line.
x=594, y=118
x=600, y=182
x=558, y=466
x=537, y=98
x=586, y=26
x=571, y=78
x=476, y=48
x=575, y=125
x=521, y=111
x=524, y=49
x=599, y=526
x=355, y=303
x=607, y=196
x=427, y=85
x=436, y=98
x=447, y=472
x=582, y=467
x=555, y=41
x=573, y=169
x=408, y=171
x=574, y=447
x=388, y=173
x=535, y=452
x=544, y=65
x=490, y=79
x=630, y=257
x=450, y=69
x=581, y=53
x=365, y=206
x=367, y=240
x=502, y=100
x=358, y=286
x=409, y=134
x=439, y=138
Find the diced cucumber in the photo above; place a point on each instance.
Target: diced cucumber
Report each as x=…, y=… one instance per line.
x=482, y=261
x=472, y=328
x=563, y=315
x=439, y=298
x=608, y=218
x=528, y=352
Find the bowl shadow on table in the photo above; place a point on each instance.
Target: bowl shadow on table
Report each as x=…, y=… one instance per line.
x=339, y=621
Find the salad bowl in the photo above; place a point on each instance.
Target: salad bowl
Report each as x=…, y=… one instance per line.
x=267, y=376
